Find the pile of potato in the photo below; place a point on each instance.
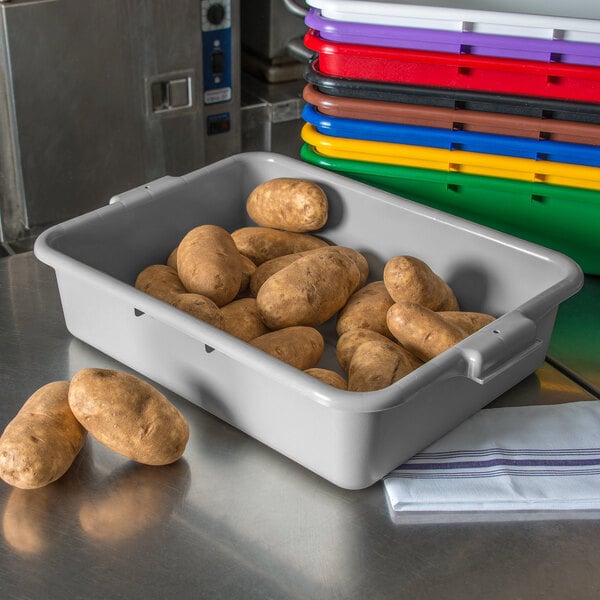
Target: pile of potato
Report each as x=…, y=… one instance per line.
x=123, y=412
x=272, y=285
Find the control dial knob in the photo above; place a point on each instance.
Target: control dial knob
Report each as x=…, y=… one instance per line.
x=215, y=13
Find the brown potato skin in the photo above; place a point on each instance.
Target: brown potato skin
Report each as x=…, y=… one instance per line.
x=128, y=415
x=172, y=259
x=248, y=268
x=375, y=365
x=366, y=309
x=468, y=321
x=41, y=442
x=201, y=307
x=309, y=291
x=301, y=347
x=289, y=204
x=422, y=331
x=261, y=244
x=268, y=268
x=208, y=263
x=264, y=271
x=242, y=319
x=349, y=341
x=329, y=377
x=160, y=281
x=356, y=257
x=409, y=279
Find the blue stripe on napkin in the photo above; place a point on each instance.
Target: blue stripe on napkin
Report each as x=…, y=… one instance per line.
x=541, y=457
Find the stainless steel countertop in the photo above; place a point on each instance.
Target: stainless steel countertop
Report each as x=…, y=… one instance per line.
x=233, y=519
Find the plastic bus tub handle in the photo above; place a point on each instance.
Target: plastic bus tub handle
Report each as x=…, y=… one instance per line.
x=500, y=345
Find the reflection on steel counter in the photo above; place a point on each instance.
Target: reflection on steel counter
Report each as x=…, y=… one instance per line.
x=235, y=519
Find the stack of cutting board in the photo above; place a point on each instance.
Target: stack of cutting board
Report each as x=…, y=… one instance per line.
x=490, y=114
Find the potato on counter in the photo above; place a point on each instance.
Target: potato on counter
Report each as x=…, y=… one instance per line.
x=409, y=279
x=290, y=204
x=128, y=415
x=41, y=442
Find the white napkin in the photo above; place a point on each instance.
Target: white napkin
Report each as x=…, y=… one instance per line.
x=530, y=458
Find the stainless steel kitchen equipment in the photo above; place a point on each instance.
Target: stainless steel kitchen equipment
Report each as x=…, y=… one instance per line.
x=272, y=39
x=274, y=61
x=272, y=115
x=96, y=97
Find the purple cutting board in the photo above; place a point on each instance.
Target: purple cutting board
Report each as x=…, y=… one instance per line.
x=522, y=48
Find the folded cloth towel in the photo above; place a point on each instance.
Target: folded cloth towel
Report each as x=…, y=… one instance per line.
x=530, y=458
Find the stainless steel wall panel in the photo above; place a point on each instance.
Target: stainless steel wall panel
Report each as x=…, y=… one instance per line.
x=78, y=124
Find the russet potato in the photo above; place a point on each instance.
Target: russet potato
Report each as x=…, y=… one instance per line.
x=41, y=442
x=422, y=331
x=261, y=244
x=468, y=321
x=270, y=267
x=299, y=346
x=376, y=364
x=208, y=263
x=201, y=307
x=410, y=279
x=160, y=281
x=366, y=309
x=329, y=377
x=128, y=415
x=348, y=342
x=309, y=291
x=242, y=319
x=289, y=204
